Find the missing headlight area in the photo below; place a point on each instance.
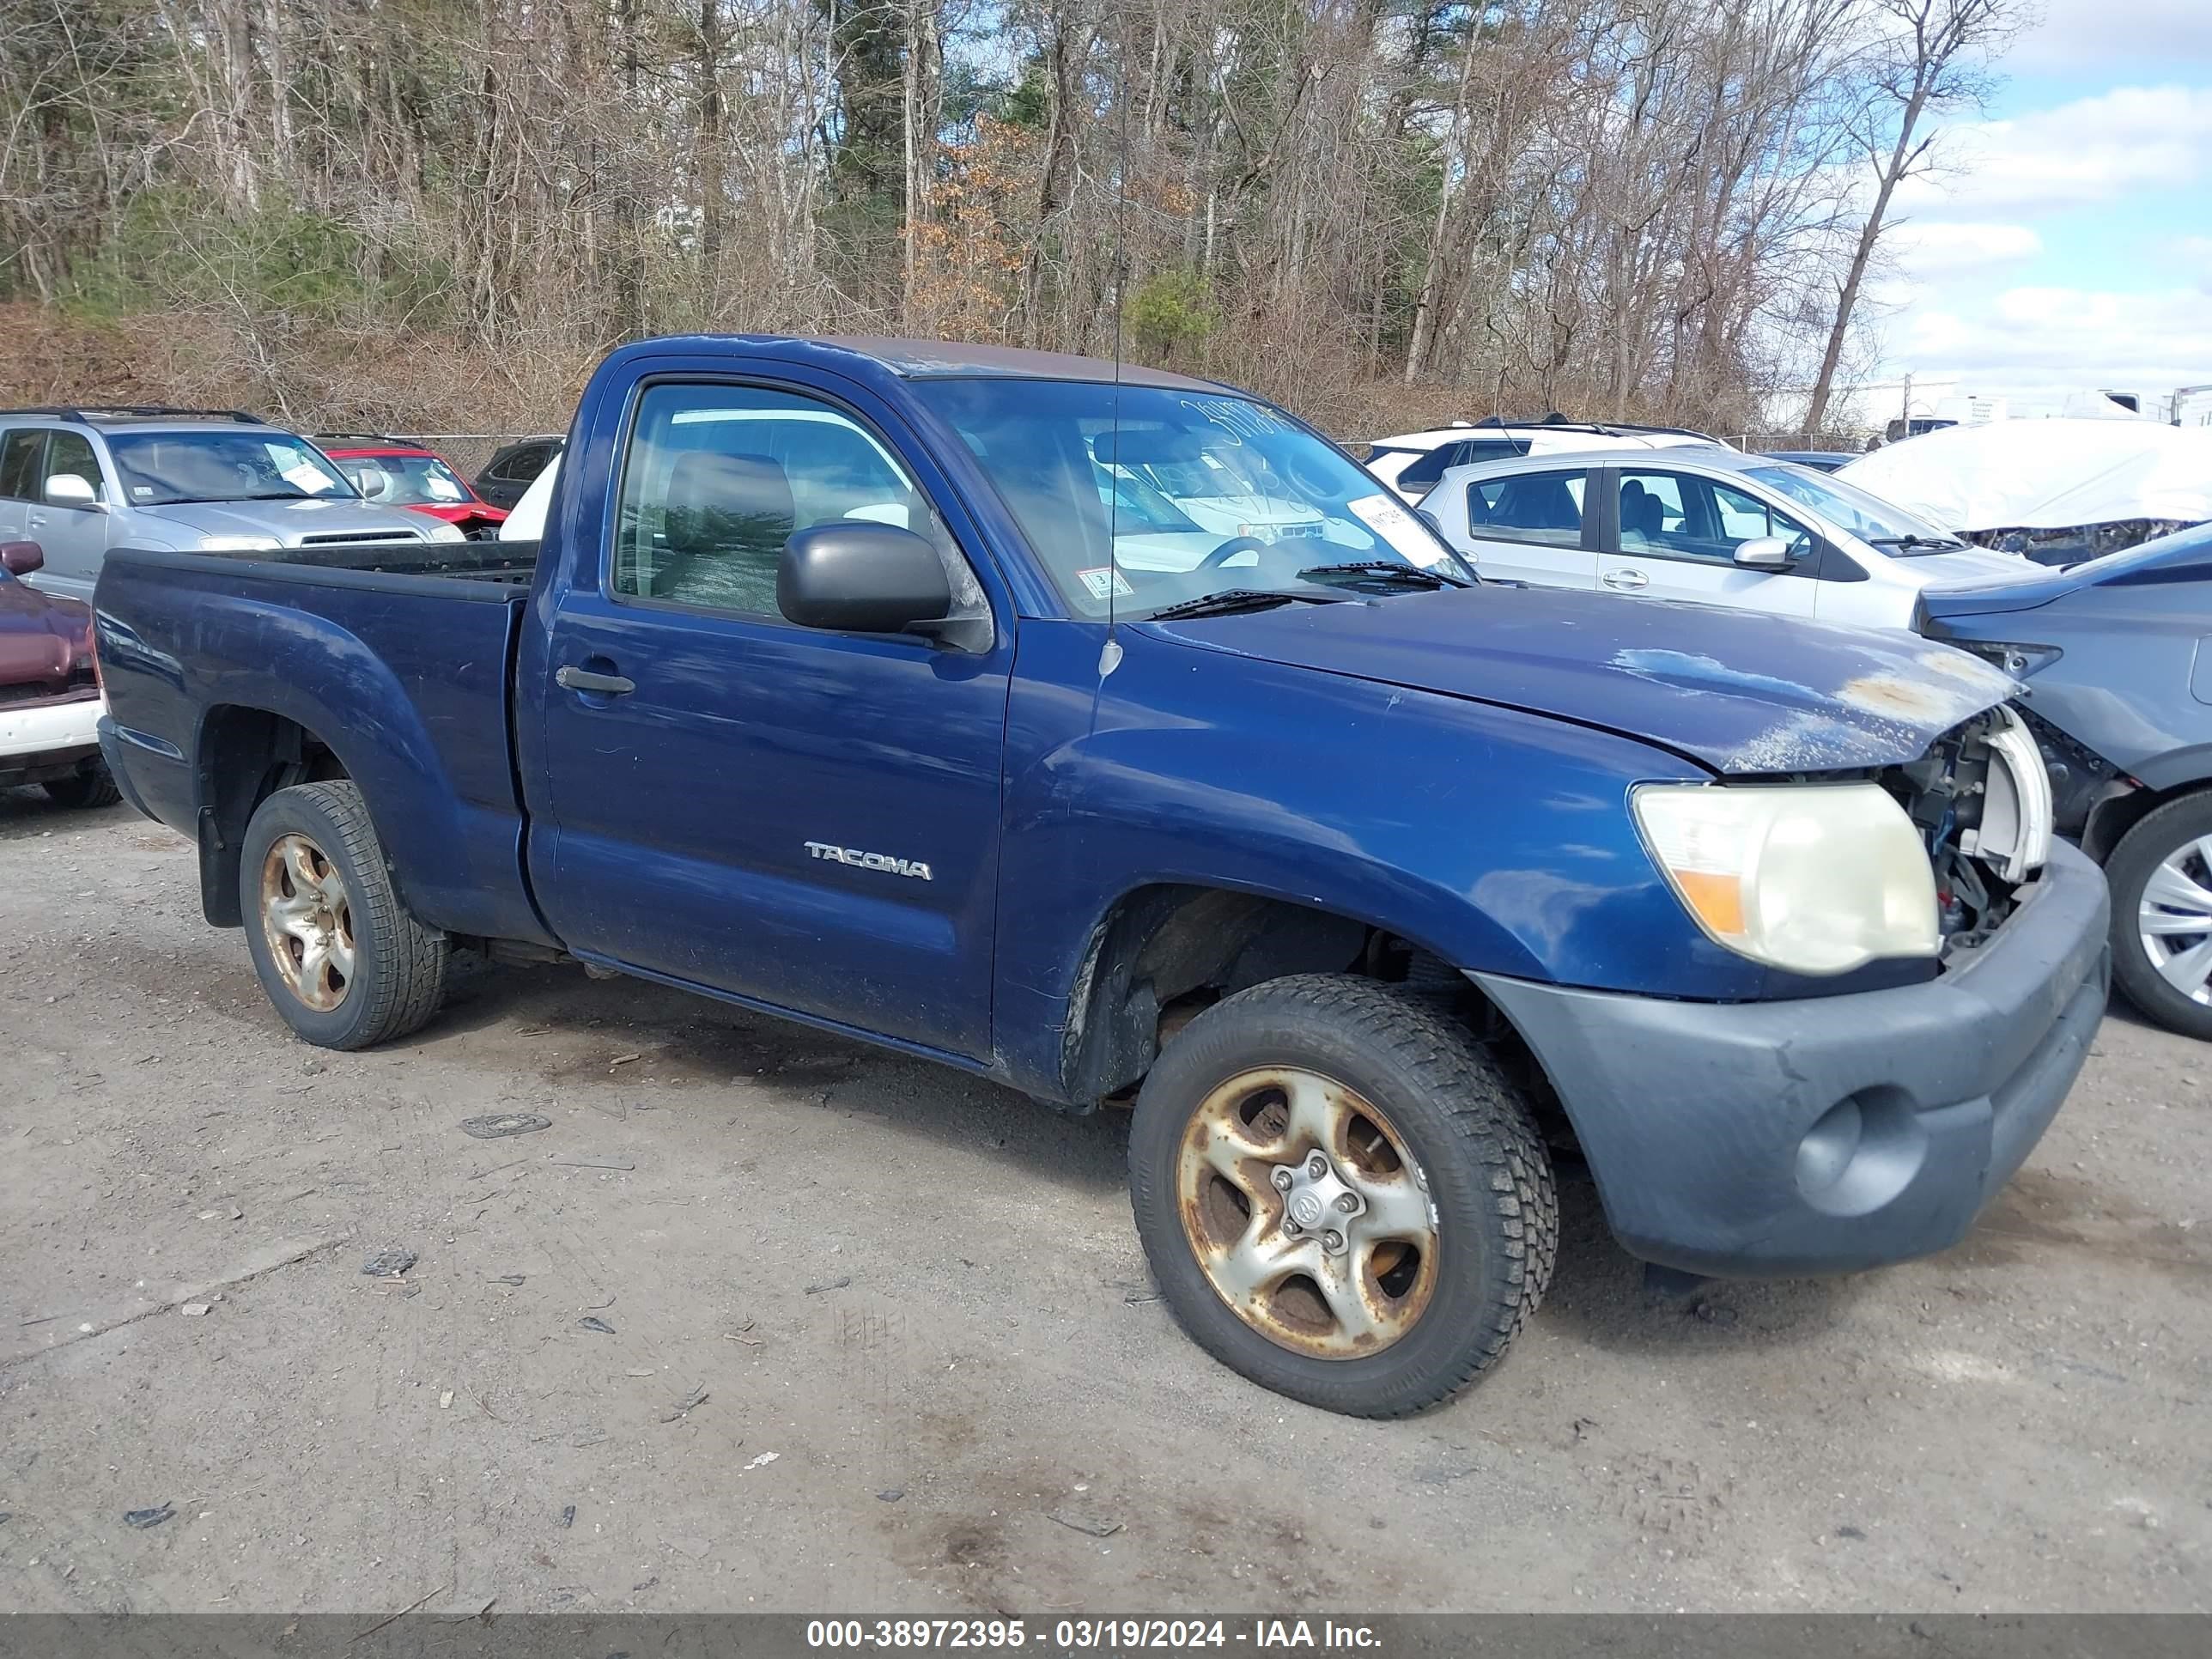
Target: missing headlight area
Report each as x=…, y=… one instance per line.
x=1981, y=799
x=2076, y=543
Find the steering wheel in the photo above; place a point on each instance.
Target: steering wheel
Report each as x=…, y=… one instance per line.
x=1230, y=549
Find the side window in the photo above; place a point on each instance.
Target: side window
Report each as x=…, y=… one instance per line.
x=1653, y=518
x=716, y=478
x=69, y=452
x=1534, y=506
x=21, y=476
x=1680, y=515
x=1744, y=517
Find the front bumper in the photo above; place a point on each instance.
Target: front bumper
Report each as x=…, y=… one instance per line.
x=1828, y=1135
x=41, y=734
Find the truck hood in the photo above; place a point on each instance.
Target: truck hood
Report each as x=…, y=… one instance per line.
x=40, y=636
x=1742, y=692
x=291, y=523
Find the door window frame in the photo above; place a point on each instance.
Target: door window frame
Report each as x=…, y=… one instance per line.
x=98, y=481
x=1822, y=562
x=1594, y=505
x=617, y=478
x=39, y=436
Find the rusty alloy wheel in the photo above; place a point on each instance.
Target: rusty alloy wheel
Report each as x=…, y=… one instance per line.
x=307, y=920
x=1307, y=1213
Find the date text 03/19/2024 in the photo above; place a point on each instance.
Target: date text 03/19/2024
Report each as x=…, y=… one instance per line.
x=1093, y=1635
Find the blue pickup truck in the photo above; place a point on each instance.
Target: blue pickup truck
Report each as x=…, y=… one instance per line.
x=904, y=689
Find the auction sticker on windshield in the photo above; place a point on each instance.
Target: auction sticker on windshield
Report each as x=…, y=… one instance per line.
x=1394, y=525
x=1103, y=580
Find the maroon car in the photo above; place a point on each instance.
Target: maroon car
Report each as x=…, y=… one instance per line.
x=48, y=689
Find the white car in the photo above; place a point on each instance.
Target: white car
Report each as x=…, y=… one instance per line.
x=1412, y=462
x=1711, y=526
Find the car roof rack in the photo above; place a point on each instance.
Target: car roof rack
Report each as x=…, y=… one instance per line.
x=89, y=413
x=365, y=438
x=1608, y=427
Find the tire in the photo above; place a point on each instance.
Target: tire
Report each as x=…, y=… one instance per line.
x=2173, y=831
x=93, y=787
x=341, y=897
x=1399, y=1065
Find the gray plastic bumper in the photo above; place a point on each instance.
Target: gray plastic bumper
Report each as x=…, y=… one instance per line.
x=1830, y=1133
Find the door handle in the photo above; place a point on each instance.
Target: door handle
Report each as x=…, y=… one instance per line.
x=36, y=521
x=569, y=678
x=1627, y=579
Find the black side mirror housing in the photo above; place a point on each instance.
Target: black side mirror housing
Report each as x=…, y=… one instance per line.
x=855, y=576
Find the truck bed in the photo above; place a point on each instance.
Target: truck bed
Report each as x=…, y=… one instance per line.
x=397, y=661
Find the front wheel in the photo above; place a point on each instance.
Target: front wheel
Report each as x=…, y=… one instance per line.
x=2161, y=880
x=342, y=959
x=1341, y=1195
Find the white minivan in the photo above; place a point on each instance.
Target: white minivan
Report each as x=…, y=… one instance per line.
x=1705, y=524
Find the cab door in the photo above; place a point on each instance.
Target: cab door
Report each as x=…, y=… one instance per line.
x=796, y=816
x=1677, y=536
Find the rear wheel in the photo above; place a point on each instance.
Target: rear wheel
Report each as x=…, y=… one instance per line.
x=2161, y=879
x=1341, y=1195
x=337, y=953
x=92, y=786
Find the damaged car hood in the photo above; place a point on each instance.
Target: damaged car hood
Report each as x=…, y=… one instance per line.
x=1740, y=691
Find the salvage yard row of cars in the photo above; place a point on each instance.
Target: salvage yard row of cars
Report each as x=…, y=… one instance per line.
x=1108, y=733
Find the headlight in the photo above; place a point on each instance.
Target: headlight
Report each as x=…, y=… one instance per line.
x=1816, y=878
x=238, y=544
x=442, y=531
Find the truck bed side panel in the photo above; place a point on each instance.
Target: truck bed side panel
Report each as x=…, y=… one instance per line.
x=405, y=677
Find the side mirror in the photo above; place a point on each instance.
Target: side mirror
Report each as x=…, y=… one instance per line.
x=1428, y=516
x=70, y=489
x=857, y=577
x=1764, y=553
x=21, y=558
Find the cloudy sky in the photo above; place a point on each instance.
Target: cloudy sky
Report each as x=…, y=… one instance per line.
x=2070, y=245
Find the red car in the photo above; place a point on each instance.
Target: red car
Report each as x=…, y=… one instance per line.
x=400, y=473
x=50, y=700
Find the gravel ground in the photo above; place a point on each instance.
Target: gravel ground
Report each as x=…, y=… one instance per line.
x=870, y=1336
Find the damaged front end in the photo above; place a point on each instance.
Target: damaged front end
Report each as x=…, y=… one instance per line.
x=1981, y=800
x=2076, y=543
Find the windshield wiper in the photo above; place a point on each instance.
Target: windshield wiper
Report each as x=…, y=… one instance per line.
x=1388, y=571
x=1947, y=543
x=1241, y=598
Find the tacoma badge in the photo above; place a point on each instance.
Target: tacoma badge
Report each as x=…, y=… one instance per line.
x=855, y=856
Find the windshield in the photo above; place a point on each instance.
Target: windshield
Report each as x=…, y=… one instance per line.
x=1201, y=493
x=407, y=480
x=1848, y=508
x=161, y=469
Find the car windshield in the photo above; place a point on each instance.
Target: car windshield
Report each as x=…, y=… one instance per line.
x=1137, y=498
x=1847, y=506
x=407, y=480
x=161, y=469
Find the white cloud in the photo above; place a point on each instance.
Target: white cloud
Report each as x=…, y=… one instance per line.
x=2076, y=36
x=2092, y=151
x=2026, y=341
x=1939, y=248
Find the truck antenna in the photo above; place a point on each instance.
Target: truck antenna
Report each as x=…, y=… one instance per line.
x=1110, y=658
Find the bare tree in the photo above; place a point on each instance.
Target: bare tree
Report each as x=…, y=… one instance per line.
x=1929, y=56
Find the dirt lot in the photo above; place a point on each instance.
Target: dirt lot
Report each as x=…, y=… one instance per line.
x=924, y=1363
